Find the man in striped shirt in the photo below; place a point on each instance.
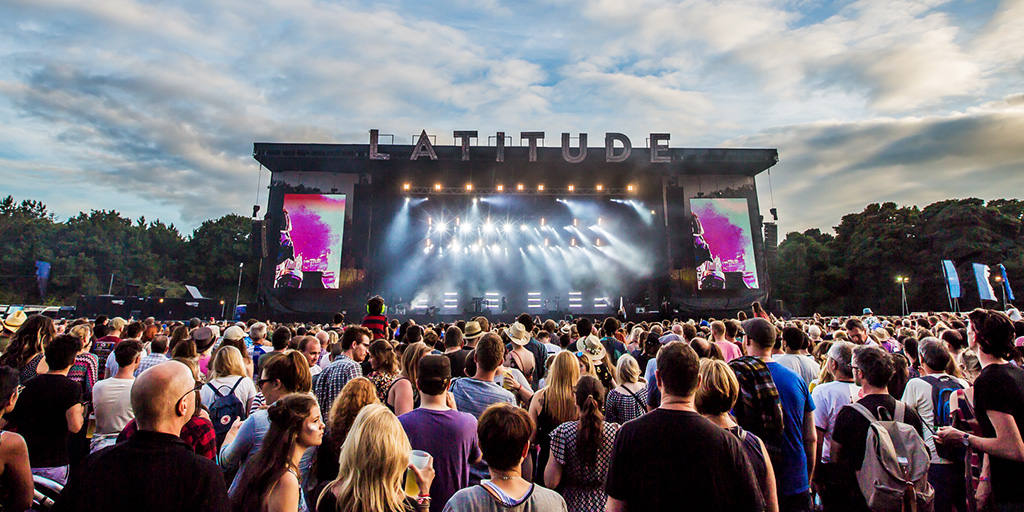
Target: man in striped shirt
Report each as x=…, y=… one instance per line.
x=375, y=320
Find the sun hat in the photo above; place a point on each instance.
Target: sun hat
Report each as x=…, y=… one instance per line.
x=592, y=347
x=473, y=330
x=234, y=333
x=518, y=334
x=14, y=320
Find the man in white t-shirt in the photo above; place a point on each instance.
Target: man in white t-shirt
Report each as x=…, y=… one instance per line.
x=829, y=398
x=112, y=398
x=944, y=476
x=795, y=343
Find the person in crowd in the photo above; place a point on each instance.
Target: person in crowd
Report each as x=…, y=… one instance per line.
x=647, y=472
x=612, y=346
x=112, y=398
x=158, y=354
x=25, y=351
x=651, y=345
x=474, y=394
x=856, y=331
x=358, y=393
x=544, y=338
x=198, y=430
x=555, y=403
x=204, y=338
x=921, y=394
x=403, y=395
x=794, y=461
x=355, y=345
x=910, y=350
x=310, y=347
x=385, y=367
x=15, y=470
x=9, y=326
x=999, y=409
x=454, y=350
x=716, y=395
x=517, y=356
x=635, y=341
x=234, y=336
x=132, y=331
x=49, y=409
x=258, y=335
x=730, y=350
x=581, y=451
x=154, y=470
x=104, y=345
x=449, y=436
x=872, y=369
x=797, y=357
x=829, y=398
x=628, y=401
x=373, y=460
x=85, y=369
x=504, y=432
x=271, y=483
x=281, y=375
x=535, y=347
x=898, y=382
x=593, y=349
x=227, y=377
x=376, y=320
x=179, y=333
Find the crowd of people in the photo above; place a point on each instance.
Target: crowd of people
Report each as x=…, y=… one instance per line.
x=860, y=413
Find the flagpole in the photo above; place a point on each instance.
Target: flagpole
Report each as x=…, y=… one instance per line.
x=949, y=295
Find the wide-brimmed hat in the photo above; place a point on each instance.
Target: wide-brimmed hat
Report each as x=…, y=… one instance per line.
x=14, y=320
x=518, y=334
x=473, y=330
x=204, y=338
x=566, y=329
x=592, y=347
x=234, y=333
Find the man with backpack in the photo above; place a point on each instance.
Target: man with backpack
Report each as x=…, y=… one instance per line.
x=928, y=396
x=877, y=438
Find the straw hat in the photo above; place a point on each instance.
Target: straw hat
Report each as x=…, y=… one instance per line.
x=473, y=330
x=592, y=347
x=14, y=320
x=518, y=334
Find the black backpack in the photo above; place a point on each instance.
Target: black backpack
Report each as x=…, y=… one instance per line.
x=225, y=409
x=942, y=389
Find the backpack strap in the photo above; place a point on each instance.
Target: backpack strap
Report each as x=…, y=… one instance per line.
x=864, y=412
x=214, y=389
x=901, y=410
x=237, y=382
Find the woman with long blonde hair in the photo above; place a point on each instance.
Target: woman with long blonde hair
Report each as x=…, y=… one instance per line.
x=556, y=403
x=372, y=461
x=228, y=375
x=629, y=400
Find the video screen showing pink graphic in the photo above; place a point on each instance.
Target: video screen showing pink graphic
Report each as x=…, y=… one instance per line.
x=723, y=245
x=310, y=252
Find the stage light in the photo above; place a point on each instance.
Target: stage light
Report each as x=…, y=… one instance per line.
x=519, y=186
x=540, y=188
x=469, y=186
x=599, y=221
x=466, y=228
x=428, y=242
x=437, y=186
x=546, y=242
x=474, y=200
x=488, y=227
x=406, y=186
x=575, y=222
x=522, y=227
x=501, y=188
x=458, y=221
x=407, y=200
x=599, y=188
x=629, y=188
x=653, y=212
x=430, y=221
x=543, y=222
x=508, y=228
x=574, y=242
x=572, y=188
x=598, y=244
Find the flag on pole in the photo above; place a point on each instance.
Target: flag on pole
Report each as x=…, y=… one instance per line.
x=981, y=274
x=42, y=277
x=1006, y=283
x=952, y=279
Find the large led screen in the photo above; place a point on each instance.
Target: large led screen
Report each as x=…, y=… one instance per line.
x=311, y=236
x=722, y=243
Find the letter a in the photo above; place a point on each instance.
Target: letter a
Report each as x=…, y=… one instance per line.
x=423, y=147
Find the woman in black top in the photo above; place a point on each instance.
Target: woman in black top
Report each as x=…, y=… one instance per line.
x=999, y=406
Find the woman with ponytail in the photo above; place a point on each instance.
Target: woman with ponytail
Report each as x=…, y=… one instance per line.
x=272, y=483
x=581, y=451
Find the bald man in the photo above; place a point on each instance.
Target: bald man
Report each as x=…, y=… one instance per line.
x=154, y=470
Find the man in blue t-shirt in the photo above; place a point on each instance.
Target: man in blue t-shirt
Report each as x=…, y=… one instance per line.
x=793, y=457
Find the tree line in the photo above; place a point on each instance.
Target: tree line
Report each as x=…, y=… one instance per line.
x=856, y=265
x=87, y=249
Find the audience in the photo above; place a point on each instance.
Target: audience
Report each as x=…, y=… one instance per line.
x=112, y=398
x=358, y=393
x=15, y=469
x=355, y=345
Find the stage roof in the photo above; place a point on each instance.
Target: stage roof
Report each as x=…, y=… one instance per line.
x=355, y=158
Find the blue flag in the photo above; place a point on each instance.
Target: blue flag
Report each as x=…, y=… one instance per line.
x=952, y=279
x=1006, y=283
x=981, y=274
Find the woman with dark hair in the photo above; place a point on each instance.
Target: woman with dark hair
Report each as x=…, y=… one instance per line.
x=581, y=451
x=403, y=396
x=178, y=334
x=999, y=408
x=385, y=367
x=272, y=483
x=25, y=352
x=759, y=311
x=15, y=472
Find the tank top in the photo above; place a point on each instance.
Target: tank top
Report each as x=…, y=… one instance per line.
x=752, y=447
x=415, y=394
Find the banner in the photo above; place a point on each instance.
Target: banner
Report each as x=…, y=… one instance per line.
x=1006, y=283
x=952, y=279
x=981, y=274
x=42, y=277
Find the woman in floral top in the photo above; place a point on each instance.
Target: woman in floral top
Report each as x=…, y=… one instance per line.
x=385, y=367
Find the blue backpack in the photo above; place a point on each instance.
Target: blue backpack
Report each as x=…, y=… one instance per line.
x=225, y=409
x=942, y=389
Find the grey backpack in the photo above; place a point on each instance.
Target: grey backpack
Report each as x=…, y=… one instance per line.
x=894, y=474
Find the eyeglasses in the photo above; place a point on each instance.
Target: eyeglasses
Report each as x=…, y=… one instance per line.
x=19, y=389
x=198, y=385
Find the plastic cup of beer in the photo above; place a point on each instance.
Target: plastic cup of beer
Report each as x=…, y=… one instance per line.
x=91, y=427
x=418, y=458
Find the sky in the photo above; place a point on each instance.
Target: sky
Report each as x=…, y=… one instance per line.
x=151, y=108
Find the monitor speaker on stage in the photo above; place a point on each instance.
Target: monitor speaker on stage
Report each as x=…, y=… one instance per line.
x=734, y=281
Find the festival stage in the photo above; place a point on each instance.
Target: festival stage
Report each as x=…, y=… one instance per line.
x=443, y=232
